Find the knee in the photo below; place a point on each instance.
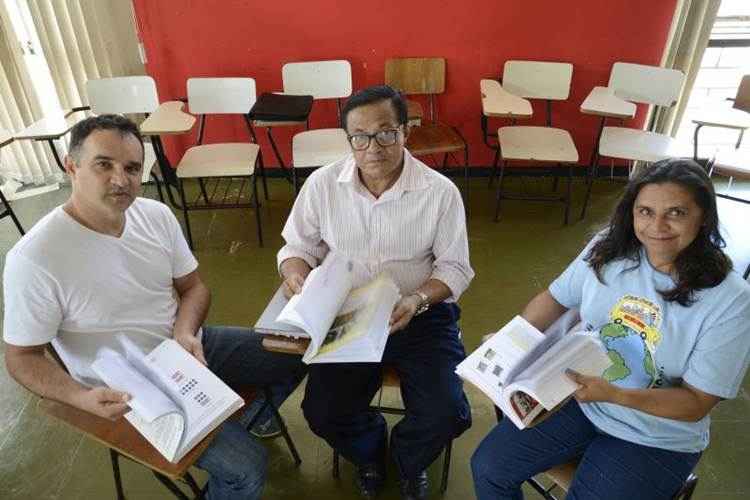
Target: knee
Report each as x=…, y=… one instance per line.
x=247, y=475
x=318, y=416
x=450, y=419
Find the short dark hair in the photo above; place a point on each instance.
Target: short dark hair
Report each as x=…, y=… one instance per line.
x=87, y=126
x=375, y=94
x=702, y=264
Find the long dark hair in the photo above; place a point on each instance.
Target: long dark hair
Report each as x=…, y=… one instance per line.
x=702, y=264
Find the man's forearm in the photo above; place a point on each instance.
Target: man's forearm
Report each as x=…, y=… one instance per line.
x=43, y=376
x=192, y=311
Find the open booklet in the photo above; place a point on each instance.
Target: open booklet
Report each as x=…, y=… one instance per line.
x=523, y=370
x=176, y=401
x=345, y=324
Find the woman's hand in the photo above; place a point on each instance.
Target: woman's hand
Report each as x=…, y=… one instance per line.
x=591, y=388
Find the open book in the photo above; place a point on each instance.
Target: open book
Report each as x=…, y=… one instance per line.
x=523, y=370
x=176, y=401
x=345, y=324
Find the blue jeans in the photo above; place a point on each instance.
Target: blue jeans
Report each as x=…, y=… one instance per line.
x=234, y=460
x=425, y=355
x=609, y=467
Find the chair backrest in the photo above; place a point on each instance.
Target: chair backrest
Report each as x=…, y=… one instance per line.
x=220, y=95
x=646, y=84
x=538, y=80
x=122, y=95
x=742, y=100
x=320, y=79
x=416, y=75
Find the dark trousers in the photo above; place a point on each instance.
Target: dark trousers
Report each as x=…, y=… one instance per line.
x=609, y=467
x=425, y=355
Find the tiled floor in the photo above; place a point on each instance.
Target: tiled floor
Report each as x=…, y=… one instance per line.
x=514, y=259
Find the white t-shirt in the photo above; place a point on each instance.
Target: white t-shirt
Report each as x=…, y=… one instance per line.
x=77, y=288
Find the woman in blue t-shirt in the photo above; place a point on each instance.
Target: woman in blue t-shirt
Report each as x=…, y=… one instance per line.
x=675, y=321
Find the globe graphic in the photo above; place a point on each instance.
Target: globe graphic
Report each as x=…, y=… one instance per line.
x=632, y=362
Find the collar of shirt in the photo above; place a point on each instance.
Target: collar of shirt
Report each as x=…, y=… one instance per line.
x=412, y=178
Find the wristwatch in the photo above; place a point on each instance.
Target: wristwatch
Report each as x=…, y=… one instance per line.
x=424, y=303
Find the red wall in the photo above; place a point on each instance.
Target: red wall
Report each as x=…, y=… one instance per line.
x=250, y=38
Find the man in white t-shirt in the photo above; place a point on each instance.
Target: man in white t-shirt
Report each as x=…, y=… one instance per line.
x=107, y=262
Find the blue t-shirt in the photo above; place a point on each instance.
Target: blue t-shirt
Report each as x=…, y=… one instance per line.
x=655, y=343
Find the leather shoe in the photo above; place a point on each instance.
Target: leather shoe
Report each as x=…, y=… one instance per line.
x=415, y=488
x=370, y=479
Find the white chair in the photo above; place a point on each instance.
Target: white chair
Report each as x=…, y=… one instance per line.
x=128, y=95
x=221, y=164
x=322, y=80
x=523, y=80
x=642, y=84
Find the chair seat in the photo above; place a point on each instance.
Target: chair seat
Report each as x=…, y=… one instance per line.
x=314, y=148
x=219, y=160
x=562, y=474
x=265, y=123
x=541, y=144
x=434, y=138
x=733, y=164
x=633, y=144
x=727, y=118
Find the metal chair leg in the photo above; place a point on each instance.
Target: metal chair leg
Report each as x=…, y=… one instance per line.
x=113, y=456
x=493, y=173
x=499, y=192
x=335, y=464
x=257, y=210
x=185, y=214
x=10, y=213
x=282, y=426
x=568, y=194
x=170, y=485
x=446, y=466
x=592, y=174
x=203, y=190
x=190, y=480
x=263, y=174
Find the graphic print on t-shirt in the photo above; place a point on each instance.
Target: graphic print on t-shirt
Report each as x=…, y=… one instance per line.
x=631, y=340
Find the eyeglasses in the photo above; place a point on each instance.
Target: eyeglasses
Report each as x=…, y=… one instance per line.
x=384, y=138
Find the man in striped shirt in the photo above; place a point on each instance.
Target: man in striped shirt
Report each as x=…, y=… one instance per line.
x=382, y=207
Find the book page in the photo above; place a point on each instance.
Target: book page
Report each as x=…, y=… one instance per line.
x=146, y=399
x=206, y=401
x=315, y=308
x=360, y=330
x=504, y=354
x=164, y=433
x=545, y=379
x=267, y=323
x=152, y=413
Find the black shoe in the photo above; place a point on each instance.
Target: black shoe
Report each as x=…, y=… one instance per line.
x=415, y=488
x=370, y=479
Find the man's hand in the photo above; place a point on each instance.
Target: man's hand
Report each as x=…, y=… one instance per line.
x=403, y=312
x=191, y=344
x=591, y=388
x=293, y=284
x=104, y=402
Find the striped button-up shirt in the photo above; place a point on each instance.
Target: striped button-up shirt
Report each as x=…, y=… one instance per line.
x=415, y=231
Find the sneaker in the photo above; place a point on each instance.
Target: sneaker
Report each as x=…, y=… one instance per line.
x=415, y=488
x=265, y=426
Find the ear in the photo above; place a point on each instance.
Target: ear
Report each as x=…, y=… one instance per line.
x=407, y=131
x=70, y=165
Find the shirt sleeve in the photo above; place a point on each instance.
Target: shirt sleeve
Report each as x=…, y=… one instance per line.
x=719, y=360
x=451, y=247
x=33, y=312
x=183, y=260
x=302, y=229
x=567, y=289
